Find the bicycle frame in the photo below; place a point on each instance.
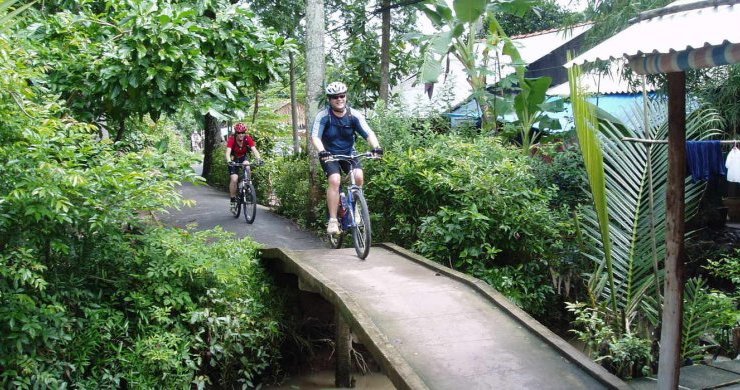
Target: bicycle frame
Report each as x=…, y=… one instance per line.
x=353, y=183
x=355, y=204
x=246, y=198
x=247, y=174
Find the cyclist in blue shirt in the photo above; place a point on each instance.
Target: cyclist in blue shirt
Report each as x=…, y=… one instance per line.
x=334, y=131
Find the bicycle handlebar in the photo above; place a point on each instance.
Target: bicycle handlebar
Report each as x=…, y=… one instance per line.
x=257, y=164
x=341, y=157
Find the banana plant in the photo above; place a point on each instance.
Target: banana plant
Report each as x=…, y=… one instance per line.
x=625, y=239
x=458, y=35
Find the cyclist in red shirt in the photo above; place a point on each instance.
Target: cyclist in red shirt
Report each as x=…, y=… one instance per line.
x=237, y=146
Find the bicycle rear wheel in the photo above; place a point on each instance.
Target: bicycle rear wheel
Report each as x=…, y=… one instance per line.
x=361, y=232
x=250, y=203
x=239, y=197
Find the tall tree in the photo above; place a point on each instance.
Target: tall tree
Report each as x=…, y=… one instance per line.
x=247, y=57
x=354, y=60
x=315, y=70
x=285, y=17
x=385, y=55
x=147, y=58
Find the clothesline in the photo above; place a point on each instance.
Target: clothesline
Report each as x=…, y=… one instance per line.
x=665, y=141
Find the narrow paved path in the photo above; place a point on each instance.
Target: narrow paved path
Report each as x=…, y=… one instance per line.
x=212, y=209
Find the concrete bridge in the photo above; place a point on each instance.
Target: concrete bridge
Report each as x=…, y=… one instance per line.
x=430, y=327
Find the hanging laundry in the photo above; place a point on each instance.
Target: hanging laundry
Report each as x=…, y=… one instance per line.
x=704, y=159
x=733, y=165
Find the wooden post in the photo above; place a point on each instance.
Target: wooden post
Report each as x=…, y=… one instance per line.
x=670, y=335
x=342, y=376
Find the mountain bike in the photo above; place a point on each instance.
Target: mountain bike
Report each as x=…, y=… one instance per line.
x=352, y=213
x=246, y=196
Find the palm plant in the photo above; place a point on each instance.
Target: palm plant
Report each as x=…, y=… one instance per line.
x=625, y=232
x=6, y=14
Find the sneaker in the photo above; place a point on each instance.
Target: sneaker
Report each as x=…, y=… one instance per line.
x=333, y=226
x=232, y=207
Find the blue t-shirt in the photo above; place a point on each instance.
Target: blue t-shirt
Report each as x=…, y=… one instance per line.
x=338, y=134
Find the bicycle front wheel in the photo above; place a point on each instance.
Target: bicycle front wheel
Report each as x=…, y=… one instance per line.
x=361, y=232
x=250, y=203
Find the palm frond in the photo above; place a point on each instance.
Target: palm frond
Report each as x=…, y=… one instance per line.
x=586, y=129
x=5, y=19
x=627, y=191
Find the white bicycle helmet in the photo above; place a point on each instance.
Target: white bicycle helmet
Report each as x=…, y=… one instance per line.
x=336, y=88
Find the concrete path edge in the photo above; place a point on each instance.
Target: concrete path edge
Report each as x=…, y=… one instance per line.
x=394, y=365
x=571, y=353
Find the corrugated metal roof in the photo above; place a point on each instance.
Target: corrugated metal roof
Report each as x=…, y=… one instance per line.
x=661, y=34
x=602, y=84
x=532, y=47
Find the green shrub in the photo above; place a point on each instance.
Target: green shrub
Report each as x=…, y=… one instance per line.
x=287, y=178
x=398, y=133
x=461, y=203
x=472, y=205
x=220, y=177
x=707, y=315
x=562, y=167
x=626, y=356
x=527, y=285
x=728, y=267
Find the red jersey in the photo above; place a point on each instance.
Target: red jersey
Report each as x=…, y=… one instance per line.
x=239, y=151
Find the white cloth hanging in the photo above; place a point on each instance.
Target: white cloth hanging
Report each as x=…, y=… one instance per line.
x=733, y=165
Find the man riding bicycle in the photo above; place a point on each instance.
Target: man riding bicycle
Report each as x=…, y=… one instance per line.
x=334, y=132
x=237, y=147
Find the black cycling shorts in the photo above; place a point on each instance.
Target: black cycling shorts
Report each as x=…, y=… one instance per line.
x=236, y=169
x=333, y=167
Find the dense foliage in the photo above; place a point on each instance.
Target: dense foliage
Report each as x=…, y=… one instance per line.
x=355, y=60
x=545, y=15
x=93, y=296
x=115, y=60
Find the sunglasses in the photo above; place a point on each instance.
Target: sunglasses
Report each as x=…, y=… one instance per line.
x=337, y=97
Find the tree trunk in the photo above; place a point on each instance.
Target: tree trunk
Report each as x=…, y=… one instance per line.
x=385, y=56
x=315, y=68
x=121, y=129
x=294, y=107
x=212, y=139
x=256, y=104
x=670, y=335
